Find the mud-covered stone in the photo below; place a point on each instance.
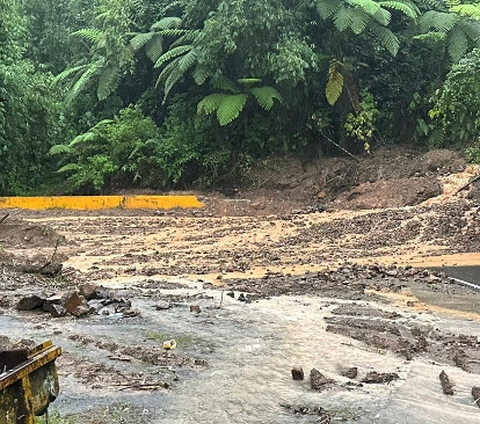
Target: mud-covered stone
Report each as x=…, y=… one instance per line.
x=298, y=373
x=318, y=381
x=31, y=302
x=350, y=372
x=88, y=290
x=447, y=386
x=374, y=377
x=55, y=310
x=75, y=304
x=476, y=395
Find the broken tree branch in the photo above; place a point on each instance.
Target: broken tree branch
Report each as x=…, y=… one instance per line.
x=340, y=147
x=4, y=217
x=470, y=182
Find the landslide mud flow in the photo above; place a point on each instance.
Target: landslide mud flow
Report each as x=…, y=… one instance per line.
x=246, y=299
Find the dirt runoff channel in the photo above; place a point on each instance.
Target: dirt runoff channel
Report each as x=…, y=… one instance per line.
x=247, y=298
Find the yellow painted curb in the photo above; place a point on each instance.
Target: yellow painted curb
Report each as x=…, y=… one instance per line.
x=100, y=202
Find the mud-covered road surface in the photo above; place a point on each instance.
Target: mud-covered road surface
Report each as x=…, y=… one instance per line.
x=247, y=296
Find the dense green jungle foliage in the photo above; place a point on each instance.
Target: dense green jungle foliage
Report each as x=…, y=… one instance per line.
x=99, y=95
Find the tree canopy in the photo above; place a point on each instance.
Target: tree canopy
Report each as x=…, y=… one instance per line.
x=97, y=95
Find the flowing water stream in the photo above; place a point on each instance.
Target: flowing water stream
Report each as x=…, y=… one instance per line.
x=250, y=349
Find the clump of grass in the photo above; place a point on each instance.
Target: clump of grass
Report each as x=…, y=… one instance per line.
x=54, y=418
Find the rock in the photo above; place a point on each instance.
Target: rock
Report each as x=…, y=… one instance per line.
x=318, y=381
x=161, y=305
x=55, y=310
x=88, y=291
x=231, y=294
x=349, y=372
x=96, y=305
x=195, y=308
x=298, y=373
x=447, y=387
x=75, y=304
x=374, y=377
x=122, y=296
x=28, y=303
x=476, y=395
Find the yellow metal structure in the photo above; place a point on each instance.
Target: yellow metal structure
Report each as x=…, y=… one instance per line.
x=27, y=389
x=100, y=202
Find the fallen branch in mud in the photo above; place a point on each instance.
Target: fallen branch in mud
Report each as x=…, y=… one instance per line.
x=469, y=183
x=340, y=147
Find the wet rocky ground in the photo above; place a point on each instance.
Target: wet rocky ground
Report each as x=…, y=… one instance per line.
x=243, y=299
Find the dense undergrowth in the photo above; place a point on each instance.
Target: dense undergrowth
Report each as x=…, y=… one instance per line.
x=101, y=95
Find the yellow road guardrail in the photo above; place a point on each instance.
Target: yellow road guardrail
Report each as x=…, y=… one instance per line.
x=100, y=202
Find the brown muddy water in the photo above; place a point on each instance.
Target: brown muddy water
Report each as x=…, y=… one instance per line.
x=249, y=349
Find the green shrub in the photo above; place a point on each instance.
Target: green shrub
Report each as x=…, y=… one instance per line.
x=458, y=105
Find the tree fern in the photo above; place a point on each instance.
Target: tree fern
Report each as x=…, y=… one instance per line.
x=211, y=103
x=327, y=8
x=66, y=73
x=266, y=96
x=230, y=108
x=140, y=40
x=181, y=65
x=154, y=47
x=468, y=10
x=108, y=82
x=166, y=23
x=90, y=34
x=456, y=43
x=334, y=86
x=408, y=8
x=437, y=21
x=386, y=38
x=61, y=149
x=84, y=79
x=171, y=54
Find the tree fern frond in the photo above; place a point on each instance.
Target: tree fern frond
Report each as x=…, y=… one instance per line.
x=90, y=34
x=83, y=80
x=154, y=48
x=68, y=72
x=230, y=108
x=167, y=23
x=451, y=3
x=469, y=10
x=266, y=96
x=189, y=37
x=383, y=17
x=178, y=70
x=334, y=86
x=201, y=74
x=431, y=36
x=386, y=38
x=457, y=43
x=82, y=138
x=171, y=54
x=370, y=7
x=359, y=22
x=61, y=149
x=408, y=8
x=343, y=18
x=108, y=82
x=69, y=167
x=211, y=103
x=472, y=31
x=437, y=21
x=327, y=8
x=140, y=40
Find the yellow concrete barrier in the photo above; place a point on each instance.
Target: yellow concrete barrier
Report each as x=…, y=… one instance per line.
x=100, y=202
